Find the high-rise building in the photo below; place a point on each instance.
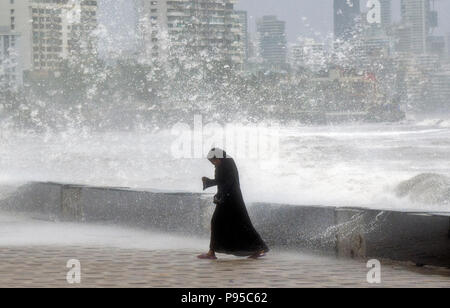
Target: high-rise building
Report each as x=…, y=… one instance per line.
x=416, y=19
x=243, y=23
x=308, y=54
x=375, y=41
x=199, y=28
x=253, y=47
x=297, y=55
x=11, y=73
x=272, y=40
x=440, y=90
x=386, y=13
x=402, y=36
x=50, y=30
x=448, y=45
x=375, y=44
x=436, y=45
x=346, y=14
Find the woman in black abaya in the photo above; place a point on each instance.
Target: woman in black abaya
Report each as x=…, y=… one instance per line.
x=232, y=231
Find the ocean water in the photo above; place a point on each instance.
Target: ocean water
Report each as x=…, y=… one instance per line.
x=343, y=165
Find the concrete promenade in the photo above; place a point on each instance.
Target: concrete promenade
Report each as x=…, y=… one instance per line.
x=45, y=266
x=34, y=252
x=407, y=236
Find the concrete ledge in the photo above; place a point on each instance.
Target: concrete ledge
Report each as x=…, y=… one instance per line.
x=422, y=238
x=43, y=199
x=177, y=212
x=296, y=227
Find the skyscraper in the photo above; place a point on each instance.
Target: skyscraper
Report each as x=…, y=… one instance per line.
x=272, y=40
x=439, y=90
x=386, y=13
x=308, y=54
x=196, y=27
x=436, y=45
x=50, y=30
x=448, y=45
x=416, y=18
x=346, y=13
x=243, y=23
x=10, y=66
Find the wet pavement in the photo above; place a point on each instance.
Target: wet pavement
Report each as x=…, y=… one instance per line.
x=45, y=266
x=35, y=253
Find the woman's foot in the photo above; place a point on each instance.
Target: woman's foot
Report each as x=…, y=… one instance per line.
x=208, y=256
x=258, y=254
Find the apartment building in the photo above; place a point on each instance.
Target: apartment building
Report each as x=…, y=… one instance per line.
x=272, y=40
x=199, y=28
x=11, y=71
x=50, y=30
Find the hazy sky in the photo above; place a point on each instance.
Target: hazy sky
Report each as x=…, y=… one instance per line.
x=304, y=17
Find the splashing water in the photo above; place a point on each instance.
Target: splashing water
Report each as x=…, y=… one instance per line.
x=346, y=165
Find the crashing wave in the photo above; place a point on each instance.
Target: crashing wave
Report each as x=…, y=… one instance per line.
x=435, y=122
x=426, y=188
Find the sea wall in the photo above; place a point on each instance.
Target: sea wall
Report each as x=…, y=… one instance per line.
x=422, y=238
x=177, y=212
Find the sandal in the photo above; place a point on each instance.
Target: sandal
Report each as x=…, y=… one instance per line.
x=206, y=256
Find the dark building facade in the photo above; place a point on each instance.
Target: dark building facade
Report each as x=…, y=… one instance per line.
x=272, y=40
x=346, y=14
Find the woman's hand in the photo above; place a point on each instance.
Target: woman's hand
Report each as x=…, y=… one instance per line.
x=205, y=181
x=217, y=199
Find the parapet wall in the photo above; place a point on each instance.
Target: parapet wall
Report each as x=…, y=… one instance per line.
x=422, y=238
x=176, y=212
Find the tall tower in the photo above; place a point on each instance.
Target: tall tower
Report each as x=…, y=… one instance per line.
x=11, y=74
x=386, y=13
x=416, y=17
x=346, y=13
x=50, y=31
x=448, y=45
x=195, y=27
x=272, y=40
x=243, y=23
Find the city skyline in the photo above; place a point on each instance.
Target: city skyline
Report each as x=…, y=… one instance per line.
x=315, y=18
x=303, y=18
x=117, y=20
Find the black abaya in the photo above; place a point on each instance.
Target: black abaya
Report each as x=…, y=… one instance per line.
x=232, y=231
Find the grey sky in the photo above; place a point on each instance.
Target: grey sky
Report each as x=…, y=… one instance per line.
x=304, y=17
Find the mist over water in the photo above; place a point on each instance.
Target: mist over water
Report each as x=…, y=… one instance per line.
x=343, y=165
